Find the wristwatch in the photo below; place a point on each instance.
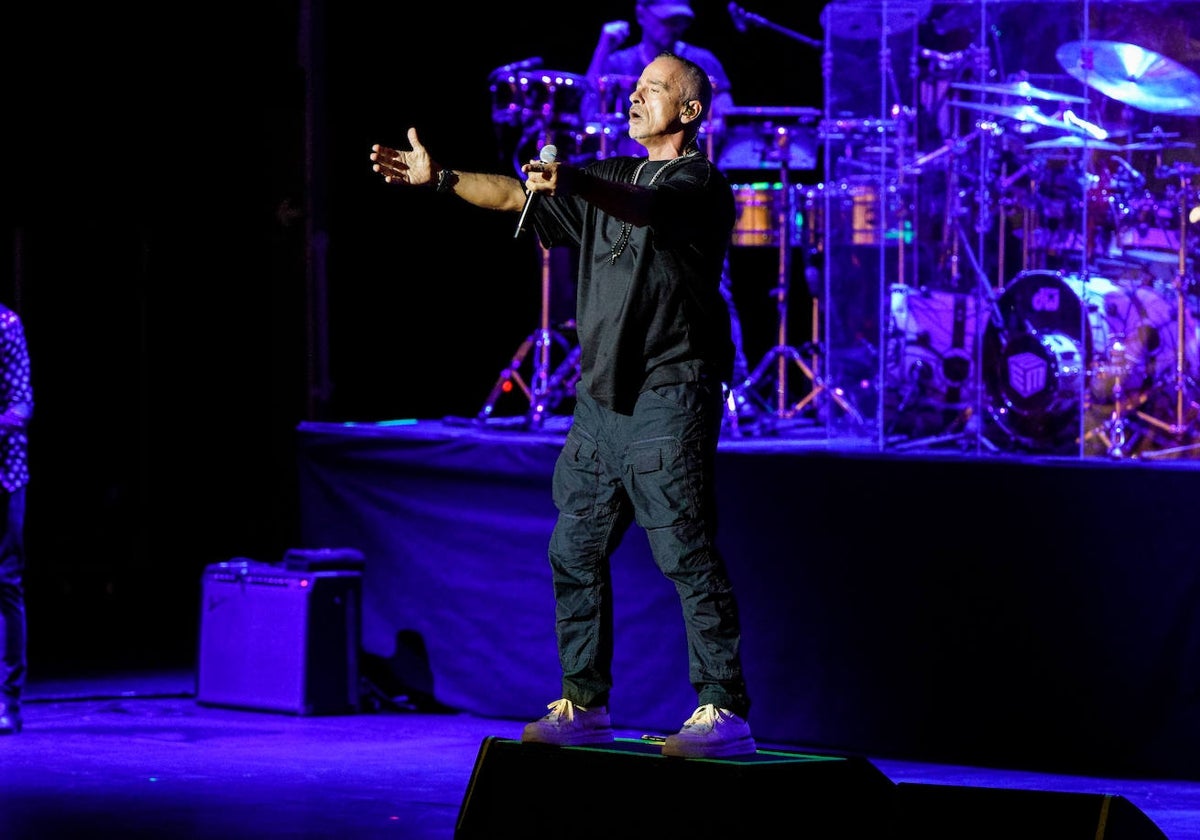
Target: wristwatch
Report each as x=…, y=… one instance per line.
x=447, y=178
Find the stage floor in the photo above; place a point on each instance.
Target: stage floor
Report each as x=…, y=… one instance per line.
x=134, y=755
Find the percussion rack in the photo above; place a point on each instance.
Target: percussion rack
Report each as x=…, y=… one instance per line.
x=773, y=368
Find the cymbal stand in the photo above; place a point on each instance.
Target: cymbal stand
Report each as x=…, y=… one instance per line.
x=546, y=388
x=782, y=355
x=1183, y=424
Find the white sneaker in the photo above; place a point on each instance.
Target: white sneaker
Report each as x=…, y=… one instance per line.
x=711, y=733
x=569, y=725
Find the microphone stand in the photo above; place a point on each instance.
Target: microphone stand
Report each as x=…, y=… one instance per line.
x=741, y=17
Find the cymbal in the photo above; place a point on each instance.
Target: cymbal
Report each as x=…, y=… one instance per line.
x=1023, y=89
x=1021, y=113
x=861, y=19
x=1074, y=141
x=1133, y=75
x=1148, y=256
x=1158, y=146
x=1024, y=113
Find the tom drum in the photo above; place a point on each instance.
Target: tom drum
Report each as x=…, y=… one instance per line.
x=763, y=211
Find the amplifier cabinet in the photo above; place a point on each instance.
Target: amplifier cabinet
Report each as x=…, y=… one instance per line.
x=282, y=640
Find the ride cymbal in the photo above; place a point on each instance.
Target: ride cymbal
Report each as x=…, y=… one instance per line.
x=1022, y=113
x=1133, y=75
x=1022, y=89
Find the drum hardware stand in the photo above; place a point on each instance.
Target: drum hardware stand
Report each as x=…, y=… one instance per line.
x=547, y=388
x=968, y=420
x=1114, y=432
x=782, y=353
x=1182, y=425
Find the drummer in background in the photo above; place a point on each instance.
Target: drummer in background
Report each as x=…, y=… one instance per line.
x=662, y=25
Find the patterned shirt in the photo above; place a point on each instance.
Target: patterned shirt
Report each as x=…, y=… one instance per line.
x=16, y=402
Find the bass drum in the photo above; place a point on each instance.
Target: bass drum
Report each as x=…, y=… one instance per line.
x=1058, y=348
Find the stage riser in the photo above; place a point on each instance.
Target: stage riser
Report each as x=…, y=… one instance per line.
x=960, y=610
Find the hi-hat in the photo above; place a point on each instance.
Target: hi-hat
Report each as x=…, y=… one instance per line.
x=1076, y=142
x=1133, y=75
x=1158, y=145
x=1159, y=140
x=1023, y=89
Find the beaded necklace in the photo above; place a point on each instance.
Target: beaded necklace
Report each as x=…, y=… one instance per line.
x=618, y=247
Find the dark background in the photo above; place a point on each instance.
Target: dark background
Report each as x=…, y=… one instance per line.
x=204, y=259
x=190, y=227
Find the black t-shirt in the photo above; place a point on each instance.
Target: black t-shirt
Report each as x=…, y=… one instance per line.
x=649, y=309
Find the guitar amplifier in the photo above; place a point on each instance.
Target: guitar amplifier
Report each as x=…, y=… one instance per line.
x=279, y=639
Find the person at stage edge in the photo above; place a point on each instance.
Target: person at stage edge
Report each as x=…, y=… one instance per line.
x=16, y=409
x=655, y=346
x=662, y=26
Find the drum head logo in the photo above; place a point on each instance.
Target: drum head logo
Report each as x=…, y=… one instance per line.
x=1026, y=373
x=1045, y=299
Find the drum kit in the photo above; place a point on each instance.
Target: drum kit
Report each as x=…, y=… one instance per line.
x=1093, y=343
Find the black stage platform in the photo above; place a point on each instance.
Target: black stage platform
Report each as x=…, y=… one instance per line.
x=1040, y=613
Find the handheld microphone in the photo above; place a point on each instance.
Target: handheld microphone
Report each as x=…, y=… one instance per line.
x=739, y=17
x=548, y=154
